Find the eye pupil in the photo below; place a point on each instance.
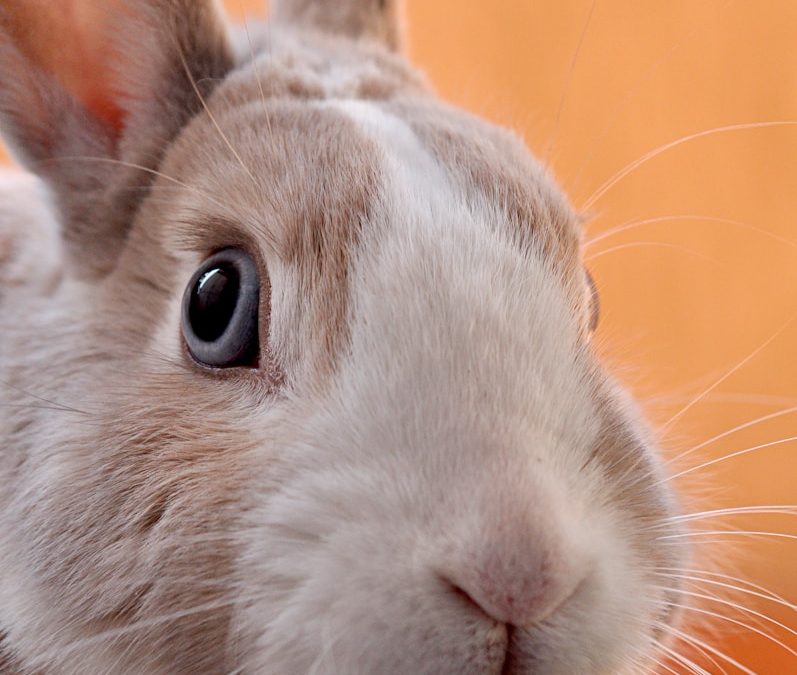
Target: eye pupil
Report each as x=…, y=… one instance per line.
x=213, y=302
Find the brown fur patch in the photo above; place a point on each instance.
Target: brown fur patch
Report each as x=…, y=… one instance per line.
x=493, y=164
x=314, y=182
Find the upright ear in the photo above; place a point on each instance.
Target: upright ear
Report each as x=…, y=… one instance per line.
x=89, y=89
x=376, y=20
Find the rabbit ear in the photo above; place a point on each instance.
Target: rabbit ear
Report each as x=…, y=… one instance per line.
x=88, y=89
x=376, y=20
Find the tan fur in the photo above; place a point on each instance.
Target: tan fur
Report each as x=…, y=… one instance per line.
x=374, y=20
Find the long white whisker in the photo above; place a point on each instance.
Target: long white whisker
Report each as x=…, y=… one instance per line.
x=742, y=624
x=732, y=533
x=702, y=643
x=740, y=427
x=633, y=91
x=568, y=82
x=730, y=587
x=661, y=665
x=724, y=458
x=779, y=509
x=633, y=224
x=116, y=633
x=655, y=244
x=682, y=660
x=629, y=168
x=768, y=593
x=741, y=608
x=726, y=375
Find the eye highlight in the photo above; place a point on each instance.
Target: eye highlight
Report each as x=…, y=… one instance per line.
x=220, y=310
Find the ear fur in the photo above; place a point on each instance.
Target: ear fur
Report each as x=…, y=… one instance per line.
x=375, y=20
x=112, y=92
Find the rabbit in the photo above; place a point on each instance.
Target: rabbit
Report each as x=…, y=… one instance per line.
x=296, y=368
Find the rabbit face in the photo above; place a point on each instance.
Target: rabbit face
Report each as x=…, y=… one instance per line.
x=408, y=460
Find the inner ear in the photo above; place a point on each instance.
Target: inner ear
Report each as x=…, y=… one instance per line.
x=93, y=109
x=80, y=60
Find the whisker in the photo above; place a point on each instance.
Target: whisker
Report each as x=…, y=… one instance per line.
x=721, y=575
x=779, y=509
x=741, y=608
x=568, y=83
x=629, y=168
x=115, y=633
x=724, y=458
x=634, y=90
x=139, y=167
x=703, y=653
x=690, y=665
x=657, y=244
x=725, y=434
x=728, y=397
x=723, y=617
x=740, y=533
x=33, y=406
x=258, y=79
x=702, y=643
x=730, y=587
x=633, y=224
x=213, y=119
x=660, y=665
x=726, y=375
x=55, y=405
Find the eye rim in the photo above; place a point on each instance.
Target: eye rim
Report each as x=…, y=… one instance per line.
x=594, y=303
x=243, y=325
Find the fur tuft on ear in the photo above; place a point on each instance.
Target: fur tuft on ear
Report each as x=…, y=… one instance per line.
x=376, y=20
x=91, y=94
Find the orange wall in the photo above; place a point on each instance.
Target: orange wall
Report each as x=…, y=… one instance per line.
x=685, y=299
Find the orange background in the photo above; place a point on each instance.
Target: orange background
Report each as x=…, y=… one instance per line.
x=685, y=299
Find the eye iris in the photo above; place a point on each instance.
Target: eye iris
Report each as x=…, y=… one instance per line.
x=220, y=312
x=213, y=302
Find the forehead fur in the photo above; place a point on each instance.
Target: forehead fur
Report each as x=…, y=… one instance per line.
x=486, y=162
x=283, y=164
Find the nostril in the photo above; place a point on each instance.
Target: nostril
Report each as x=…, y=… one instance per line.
x=463, y=597
x=512, y=591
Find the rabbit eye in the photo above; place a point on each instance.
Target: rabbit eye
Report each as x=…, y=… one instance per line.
x=220, y=309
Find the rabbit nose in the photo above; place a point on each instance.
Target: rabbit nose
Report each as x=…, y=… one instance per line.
x=518, y=576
